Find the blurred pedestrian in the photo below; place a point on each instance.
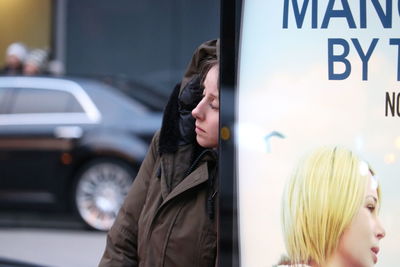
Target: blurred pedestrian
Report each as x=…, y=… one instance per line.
x=15, y=57
x=169, y=215
x=35, y=63
x=56, y=68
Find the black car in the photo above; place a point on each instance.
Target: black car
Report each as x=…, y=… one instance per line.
x=73, y=144
x=4, y=262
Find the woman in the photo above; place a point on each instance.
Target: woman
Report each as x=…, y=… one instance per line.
x=15, y=57
x=167, y=218
x=36, y=62
x=330, y=212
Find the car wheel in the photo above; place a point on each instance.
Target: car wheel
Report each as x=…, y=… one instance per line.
x=100, y=190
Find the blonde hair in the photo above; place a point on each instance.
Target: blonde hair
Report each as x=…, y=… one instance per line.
x=320, y=200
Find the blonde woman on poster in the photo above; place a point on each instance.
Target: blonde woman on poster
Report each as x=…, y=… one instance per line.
x=330, y=212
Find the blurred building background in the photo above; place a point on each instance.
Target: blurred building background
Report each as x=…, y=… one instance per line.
x=26, y=21
x=144, y=41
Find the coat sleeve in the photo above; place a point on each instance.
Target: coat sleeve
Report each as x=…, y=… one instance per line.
x=121, y=247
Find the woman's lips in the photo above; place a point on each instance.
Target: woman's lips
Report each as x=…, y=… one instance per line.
x=375, y=251
x=199, y=129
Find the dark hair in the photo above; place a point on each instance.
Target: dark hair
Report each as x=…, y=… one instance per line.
x=205, y=67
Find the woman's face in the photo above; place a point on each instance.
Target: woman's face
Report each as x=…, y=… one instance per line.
x=13, y=61
x=206, y=112
x=359, y=244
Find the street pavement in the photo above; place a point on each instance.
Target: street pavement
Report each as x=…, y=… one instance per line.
x=51, y=241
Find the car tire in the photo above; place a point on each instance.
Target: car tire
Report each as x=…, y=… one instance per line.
x=99, y=192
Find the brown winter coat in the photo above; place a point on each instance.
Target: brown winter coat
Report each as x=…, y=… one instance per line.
x=167, y=219
x=156, y=227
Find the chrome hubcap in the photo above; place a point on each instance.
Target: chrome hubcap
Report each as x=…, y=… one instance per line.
x=100, y=194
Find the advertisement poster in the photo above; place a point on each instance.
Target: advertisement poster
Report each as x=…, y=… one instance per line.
x=315, y=73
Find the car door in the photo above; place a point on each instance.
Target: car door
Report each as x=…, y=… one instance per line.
x=37, y=133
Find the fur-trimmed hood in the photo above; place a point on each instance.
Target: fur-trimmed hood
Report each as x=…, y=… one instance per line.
x=178, y=124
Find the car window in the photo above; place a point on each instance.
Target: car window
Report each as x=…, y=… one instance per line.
x=2, y=94
x=32, y=100
x=4, y=100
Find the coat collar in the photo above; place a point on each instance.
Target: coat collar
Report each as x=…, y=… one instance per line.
x=197, y=177
x=174, y=170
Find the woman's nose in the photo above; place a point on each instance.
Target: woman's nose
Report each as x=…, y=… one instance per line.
x=197, y=112
x=381, y=231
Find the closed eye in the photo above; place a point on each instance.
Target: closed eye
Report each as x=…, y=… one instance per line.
x=213, y=107
x=371, y=208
